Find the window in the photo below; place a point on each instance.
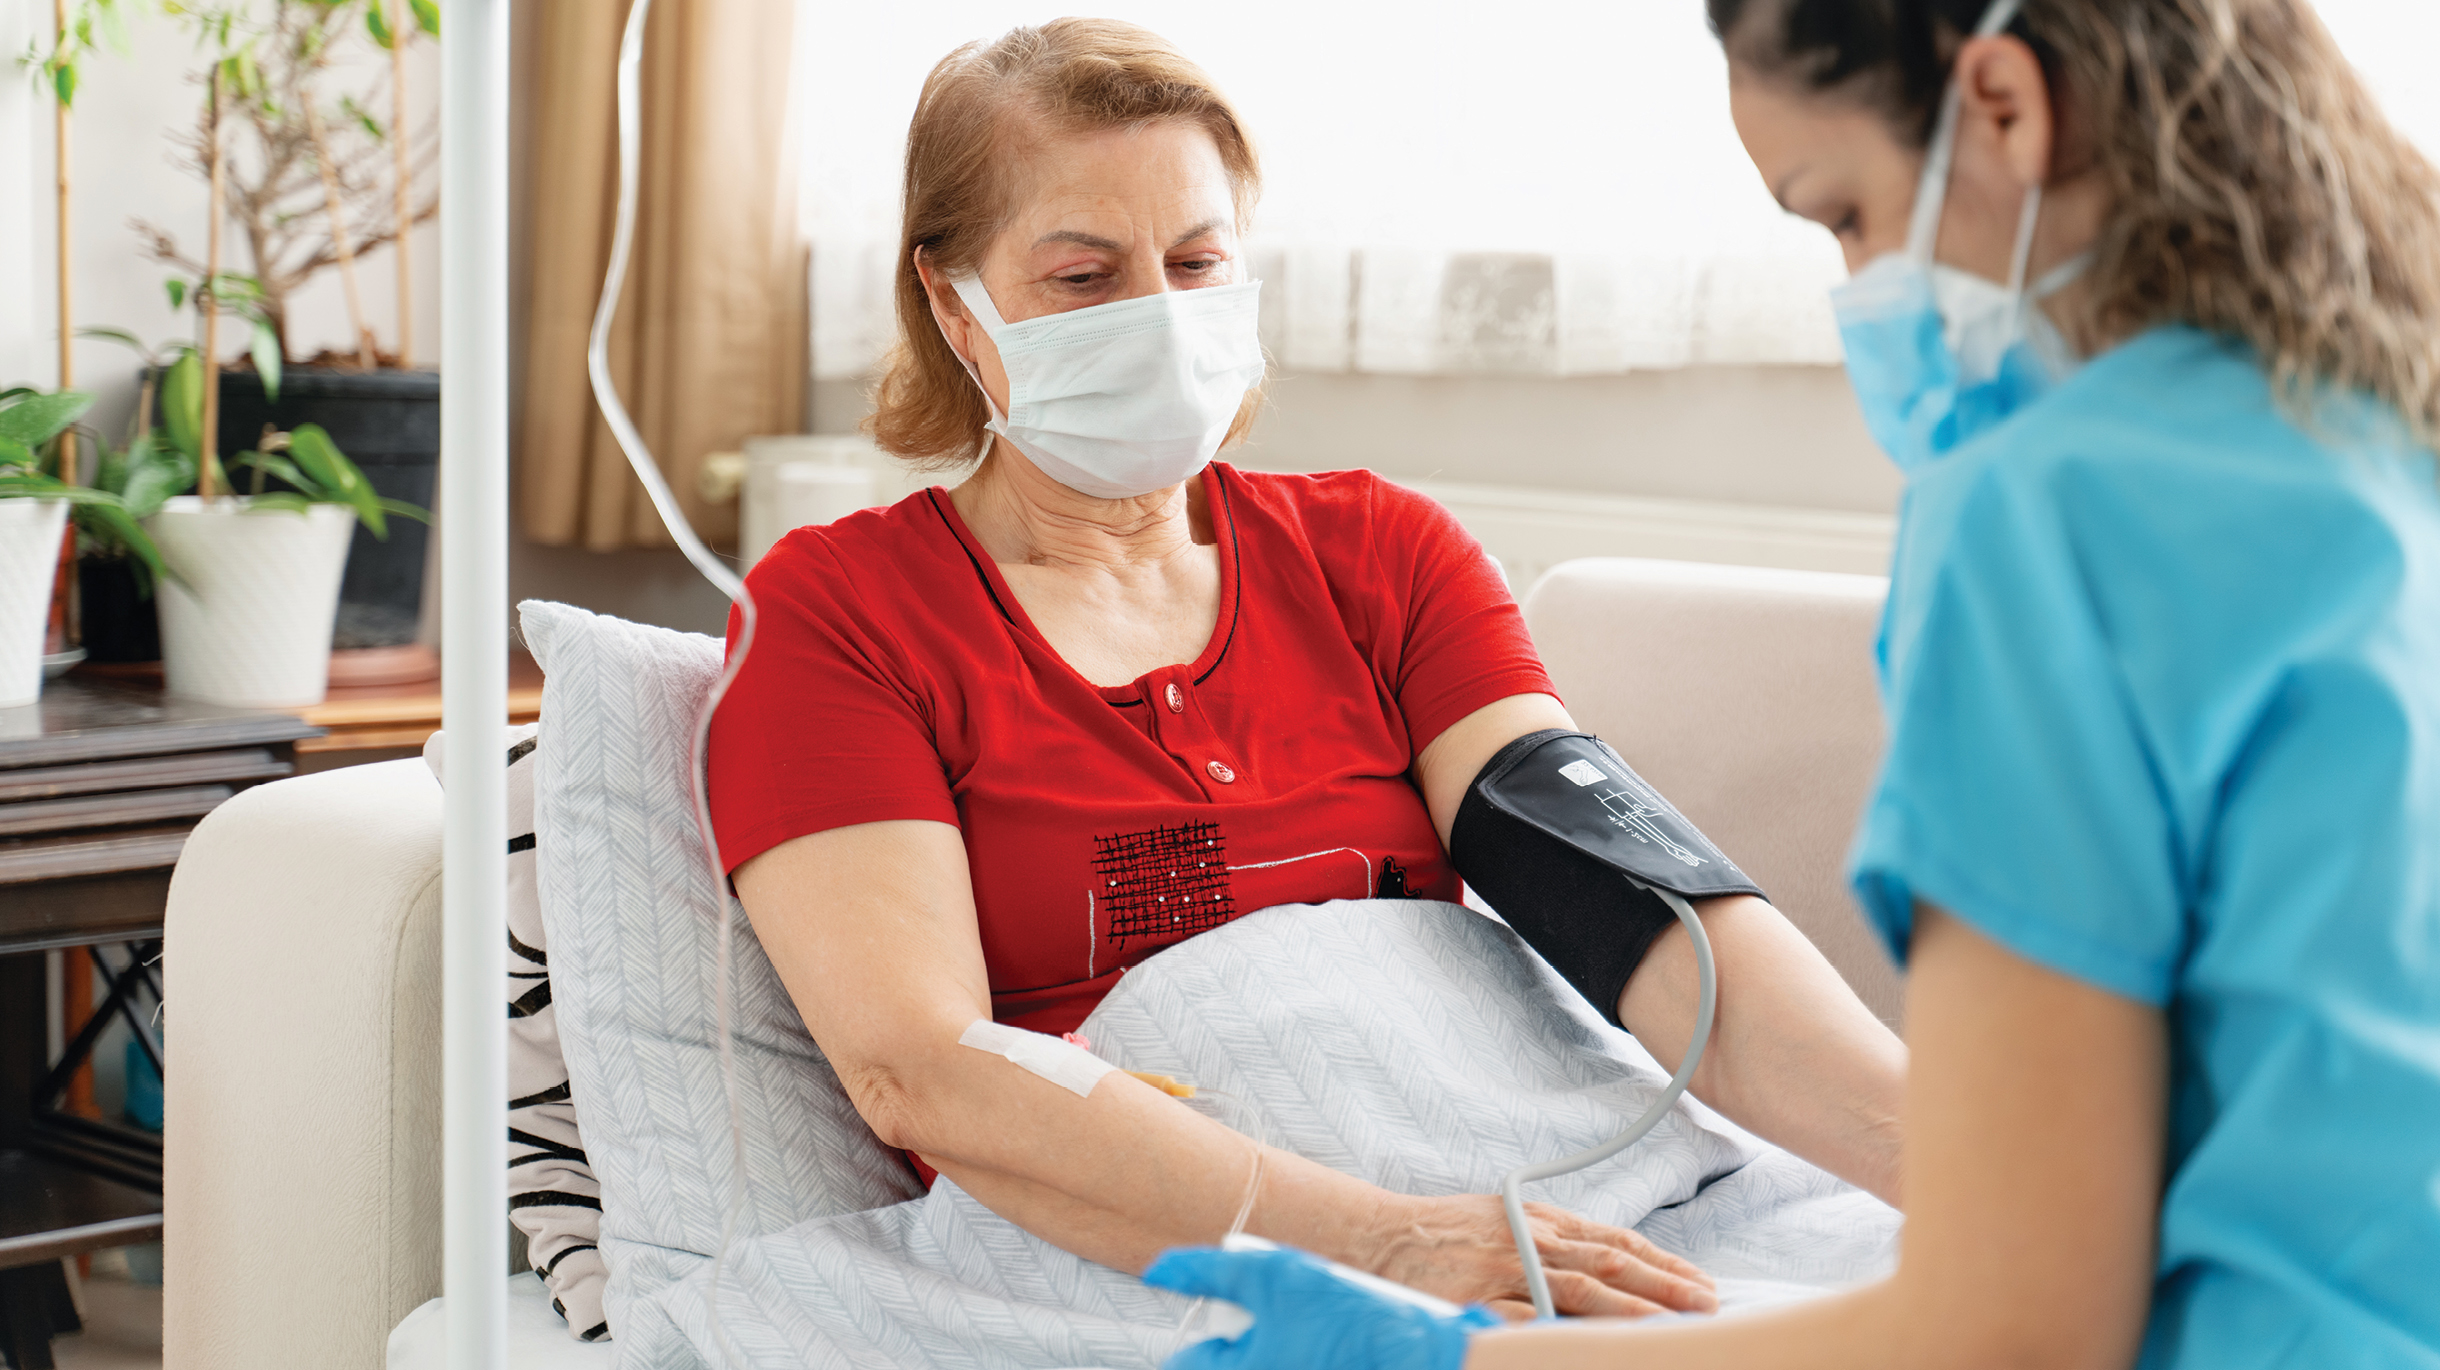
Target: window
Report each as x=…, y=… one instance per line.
x=1542, y=188
x=1534, y=188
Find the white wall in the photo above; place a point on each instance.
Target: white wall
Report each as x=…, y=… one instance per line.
x=1776, y=435
x=1789, y=436
x=123, y=168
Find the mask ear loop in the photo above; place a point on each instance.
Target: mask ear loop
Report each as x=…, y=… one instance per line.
x=2027, y=220
x=1931, y=196
x=978, y=303
x=1932, y=193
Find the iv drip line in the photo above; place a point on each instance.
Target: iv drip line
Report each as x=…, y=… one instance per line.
x=713, y=569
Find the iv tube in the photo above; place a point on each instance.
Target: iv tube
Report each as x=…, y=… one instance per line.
x=727, y=581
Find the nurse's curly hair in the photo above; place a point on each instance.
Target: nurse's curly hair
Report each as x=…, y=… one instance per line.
x=982, y=109
x=2259, y=190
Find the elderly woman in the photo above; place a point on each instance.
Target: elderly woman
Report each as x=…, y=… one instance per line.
x=1000, y=742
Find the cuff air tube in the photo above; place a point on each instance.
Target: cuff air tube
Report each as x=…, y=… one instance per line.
x=1545, y=832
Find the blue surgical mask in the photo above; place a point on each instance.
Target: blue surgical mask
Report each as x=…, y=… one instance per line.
x=1938, y=355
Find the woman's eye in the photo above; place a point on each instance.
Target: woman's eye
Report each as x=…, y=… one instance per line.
x=1080, y=278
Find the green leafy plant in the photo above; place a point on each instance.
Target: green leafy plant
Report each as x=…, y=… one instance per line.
x=162, y=462
x=155, y=464
x=31, y=423
x=92, y=26
x=320, y=473
x=320, y=180
x=152, y=467
x=236, y=293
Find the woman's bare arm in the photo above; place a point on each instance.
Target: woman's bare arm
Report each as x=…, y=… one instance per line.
x=2034, y=1125
x=1794, y=1057
x=873, y=930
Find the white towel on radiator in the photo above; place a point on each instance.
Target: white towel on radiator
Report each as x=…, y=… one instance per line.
x=1416, y=1044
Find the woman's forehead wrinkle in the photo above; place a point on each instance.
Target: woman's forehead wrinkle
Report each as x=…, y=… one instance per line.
x=1069, y=235
x=1099, y=243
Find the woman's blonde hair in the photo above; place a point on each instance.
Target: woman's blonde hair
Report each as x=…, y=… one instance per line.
x=2259, y=191
x=982, y=110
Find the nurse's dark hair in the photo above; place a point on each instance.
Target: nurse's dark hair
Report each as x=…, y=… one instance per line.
x=2259, y=191
x=982, y=112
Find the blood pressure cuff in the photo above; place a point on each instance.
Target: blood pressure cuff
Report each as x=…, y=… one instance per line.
x=1545, y=834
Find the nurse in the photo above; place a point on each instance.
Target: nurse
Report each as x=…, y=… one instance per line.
x=2147, y=305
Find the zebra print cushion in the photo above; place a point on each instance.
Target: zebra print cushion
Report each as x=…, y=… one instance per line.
x=552, y=1196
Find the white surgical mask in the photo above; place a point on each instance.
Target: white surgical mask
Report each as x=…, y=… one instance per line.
x=1936, y=354
x=1122, y=399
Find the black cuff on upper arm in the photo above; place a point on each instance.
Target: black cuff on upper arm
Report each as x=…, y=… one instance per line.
x=1578, y=909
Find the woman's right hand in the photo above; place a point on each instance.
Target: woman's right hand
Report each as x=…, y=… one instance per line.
x=1459, y=1248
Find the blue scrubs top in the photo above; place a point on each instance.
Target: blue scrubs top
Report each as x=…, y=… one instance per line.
x=2162, y=672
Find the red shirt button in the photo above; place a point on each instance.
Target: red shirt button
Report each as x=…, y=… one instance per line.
x=1177, y=702
x=1221, y=772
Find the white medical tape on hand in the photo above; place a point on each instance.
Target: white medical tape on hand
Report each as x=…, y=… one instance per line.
x=1063, y=1063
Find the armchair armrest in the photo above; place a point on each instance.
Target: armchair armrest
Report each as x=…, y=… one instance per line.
x=303, y=1174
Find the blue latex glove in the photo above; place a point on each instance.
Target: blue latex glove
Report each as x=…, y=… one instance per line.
x=1306, y=1318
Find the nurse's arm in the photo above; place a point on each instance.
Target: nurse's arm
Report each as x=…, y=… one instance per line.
x=2034, y=1126
x=1795, y=1057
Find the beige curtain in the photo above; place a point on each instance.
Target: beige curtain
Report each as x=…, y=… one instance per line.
x=709, y=345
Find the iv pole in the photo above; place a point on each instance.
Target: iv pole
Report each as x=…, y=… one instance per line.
x=474, y=678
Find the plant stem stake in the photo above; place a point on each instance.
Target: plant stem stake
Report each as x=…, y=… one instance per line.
x=402, y=177
x=68, y=465
x=366, y=356
x=207, y=474
x=64, y=581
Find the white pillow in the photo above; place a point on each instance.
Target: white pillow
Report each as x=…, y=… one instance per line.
x=631, y=913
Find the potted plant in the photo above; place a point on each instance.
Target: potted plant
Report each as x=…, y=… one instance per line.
x=326, y=178
x=34, y=506
x=252, y=581
x=247, y=619
x=116, y=577
x=77, y=31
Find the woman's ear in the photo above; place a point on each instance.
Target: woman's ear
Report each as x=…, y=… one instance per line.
x=2003, y=88
x=948, y=311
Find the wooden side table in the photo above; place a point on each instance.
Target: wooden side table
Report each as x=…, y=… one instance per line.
x=99, y=787
x=100, y=784
x=370, y=722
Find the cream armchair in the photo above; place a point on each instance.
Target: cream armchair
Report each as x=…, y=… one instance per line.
x=303, y=1170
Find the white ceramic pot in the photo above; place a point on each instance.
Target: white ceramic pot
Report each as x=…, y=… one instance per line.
x=251, y=625
x=29, y=564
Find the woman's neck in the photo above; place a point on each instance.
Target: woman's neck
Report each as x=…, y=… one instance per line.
x=1024, y=518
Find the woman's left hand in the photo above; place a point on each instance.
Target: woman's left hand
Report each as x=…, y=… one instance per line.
x=1308, y=1318
x=1459, y=1247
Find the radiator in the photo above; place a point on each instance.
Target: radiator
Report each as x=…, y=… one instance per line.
x=1531, y=530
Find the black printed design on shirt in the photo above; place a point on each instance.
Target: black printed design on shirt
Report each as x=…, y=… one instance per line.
x=1392, y=884
x=1163, y=880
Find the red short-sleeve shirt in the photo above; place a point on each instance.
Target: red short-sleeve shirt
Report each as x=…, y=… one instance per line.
x=894, y=676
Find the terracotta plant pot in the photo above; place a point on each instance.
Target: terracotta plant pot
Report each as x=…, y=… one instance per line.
x=251, y=625
x=29, y=563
